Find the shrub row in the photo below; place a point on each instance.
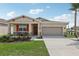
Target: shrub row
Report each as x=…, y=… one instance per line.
x=18, y=36
x=4, y=38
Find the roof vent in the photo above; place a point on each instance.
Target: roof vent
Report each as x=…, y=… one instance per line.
x=13, y=19
x=23, y=16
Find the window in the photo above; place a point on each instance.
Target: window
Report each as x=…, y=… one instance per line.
x=22, y=27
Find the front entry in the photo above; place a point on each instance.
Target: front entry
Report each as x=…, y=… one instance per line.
x=35, y=29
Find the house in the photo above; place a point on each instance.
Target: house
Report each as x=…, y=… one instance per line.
x=35, y=26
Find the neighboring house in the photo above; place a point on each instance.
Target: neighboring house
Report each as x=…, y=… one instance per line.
x=3, y=27
x=37, y=26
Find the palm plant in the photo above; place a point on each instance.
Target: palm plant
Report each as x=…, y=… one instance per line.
x=74, y=7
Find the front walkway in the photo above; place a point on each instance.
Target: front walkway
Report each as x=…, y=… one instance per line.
x=61, y=46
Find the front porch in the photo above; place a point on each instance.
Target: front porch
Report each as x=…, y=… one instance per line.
x=32, y=28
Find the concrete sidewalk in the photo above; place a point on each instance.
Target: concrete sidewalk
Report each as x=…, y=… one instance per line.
x=62, y=46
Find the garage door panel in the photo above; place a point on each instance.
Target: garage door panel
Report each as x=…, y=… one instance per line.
x=52, y=31
x=3, y=29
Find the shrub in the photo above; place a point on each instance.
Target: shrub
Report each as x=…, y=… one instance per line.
x=11, y=40
x=65, y=34
x=17, y=36
x=4, y=38
x=22, y=36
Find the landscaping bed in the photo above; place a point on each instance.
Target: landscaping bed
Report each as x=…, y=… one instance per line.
x=17, y=36
x=69, y=35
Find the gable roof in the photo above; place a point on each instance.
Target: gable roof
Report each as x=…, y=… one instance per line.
x=21, y=17
x=43, y=19
x=3, y=21
x=35, y=19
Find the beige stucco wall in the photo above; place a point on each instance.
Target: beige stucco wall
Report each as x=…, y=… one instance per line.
x=52, y=24
x=64, y=29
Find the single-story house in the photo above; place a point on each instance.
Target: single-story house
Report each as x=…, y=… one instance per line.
x=35, y=26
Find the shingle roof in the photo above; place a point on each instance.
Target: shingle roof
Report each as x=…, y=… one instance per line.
x=42, y=19
x=3, y=21
x=35, y=19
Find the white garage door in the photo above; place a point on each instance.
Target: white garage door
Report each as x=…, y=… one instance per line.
x=3, y=29
x=52, y=31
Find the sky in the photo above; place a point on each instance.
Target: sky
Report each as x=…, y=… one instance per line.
x=50, y=11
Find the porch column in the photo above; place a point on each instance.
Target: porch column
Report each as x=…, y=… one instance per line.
x=39, y=29
x=12, y=28
x=30, y=29
x=9, y=28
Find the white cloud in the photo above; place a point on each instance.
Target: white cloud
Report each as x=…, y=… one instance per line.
x=11, y=14
x=65, y=18
x=47, y=6
x=35, y=11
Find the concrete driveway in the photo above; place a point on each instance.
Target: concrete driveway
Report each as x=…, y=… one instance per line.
x=60, y=46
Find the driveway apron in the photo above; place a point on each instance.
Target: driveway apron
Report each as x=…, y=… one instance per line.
x=61, y=46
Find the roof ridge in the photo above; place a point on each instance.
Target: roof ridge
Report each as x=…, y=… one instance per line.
x=20, y=16
x=42, y=18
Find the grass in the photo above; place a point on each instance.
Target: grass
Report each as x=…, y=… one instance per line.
x=2, y=34
x=30, y=48
x=70, y=36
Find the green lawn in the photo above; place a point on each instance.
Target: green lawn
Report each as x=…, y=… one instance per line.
x=70, y=36
x=30, y=48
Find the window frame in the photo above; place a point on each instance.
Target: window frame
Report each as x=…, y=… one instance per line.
x=22, y=27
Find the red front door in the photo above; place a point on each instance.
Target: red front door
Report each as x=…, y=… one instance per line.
x=35, y=29
x=27, y=27
x=17, y=27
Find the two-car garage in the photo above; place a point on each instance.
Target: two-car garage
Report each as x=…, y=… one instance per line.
x=52, y=31
x=53, y=28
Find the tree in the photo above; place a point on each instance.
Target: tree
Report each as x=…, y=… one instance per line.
x=74, y=7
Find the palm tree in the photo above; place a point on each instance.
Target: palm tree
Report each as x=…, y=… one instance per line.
x=74, y=7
